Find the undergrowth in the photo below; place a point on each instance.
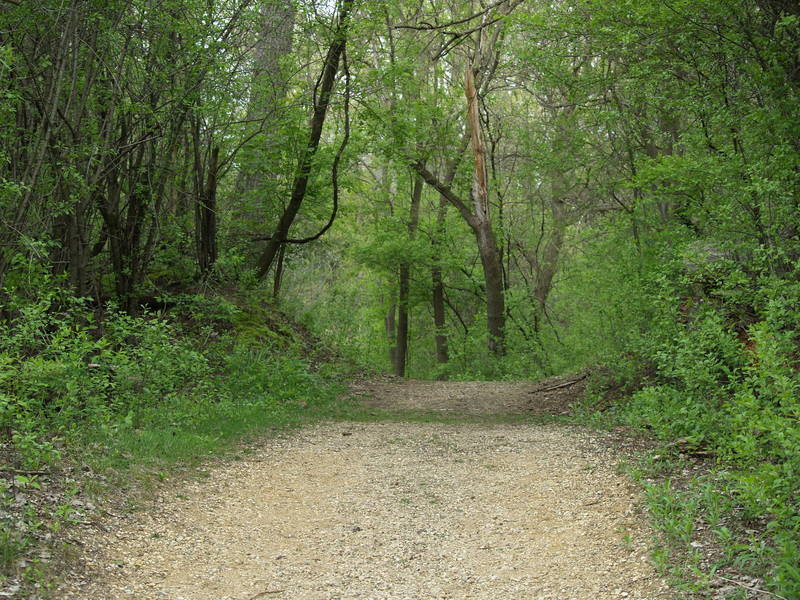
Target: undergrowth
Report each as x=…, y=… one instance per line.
x=100, y=402
x=716, y=380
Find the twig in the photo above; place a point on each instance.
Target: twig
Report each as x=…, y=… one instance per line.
x=430, y=27
x=753, y=588
x=74, y=541
x=23, y=472
x=559, y=386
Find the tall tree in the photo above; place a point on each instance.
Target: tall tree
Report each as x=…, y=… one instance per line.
x=401, y=352
x=259, y=168
x=480, y=67
x=322, y=101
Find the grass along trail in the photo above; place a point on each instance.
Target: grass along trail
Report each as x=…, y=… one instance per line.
x=390, y=511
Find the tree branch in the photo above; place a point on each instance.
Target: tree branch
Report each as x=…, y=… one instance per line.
x=430, y=27
x=446, y=192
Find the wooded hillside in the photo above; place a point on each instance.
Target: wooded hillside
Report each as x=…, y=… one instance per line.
x=438, y=189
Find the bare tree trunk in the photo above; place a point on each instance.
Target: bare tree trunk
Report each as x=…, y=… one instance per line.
x=487, y=244
x=438, y=297
x=269, y=86
x=390, y=324
x=72, y=254
x=277, y=279
x=490, y=260
x=547, y=265
x=401, y=348
x=206, y=213
x=484, y=62
x=493, y=279
x=442, y=351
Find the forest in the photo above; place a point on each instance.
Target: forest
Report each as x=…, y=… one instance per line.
x=213, y=211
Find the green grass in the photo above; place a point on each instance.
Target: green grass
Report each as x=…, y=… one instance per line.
x=153, y=453
x=700, y=530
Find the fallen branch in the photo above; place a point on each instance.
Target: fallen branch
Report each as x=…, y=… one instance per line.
x=262, y=594
x=753, y=588
x=23, y=472
x=560, y=385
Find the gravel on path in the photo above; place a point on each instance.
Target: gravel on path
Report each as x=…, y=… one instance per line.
x=389, y=511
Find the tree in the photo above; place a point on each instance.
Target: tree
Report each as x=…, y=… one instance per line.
x=259, y=168
x=316, y=123
x=481, y=65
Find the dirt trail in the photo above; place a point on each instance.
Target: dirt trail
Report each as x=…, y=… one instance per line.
x=551, y=397
x=390, y=511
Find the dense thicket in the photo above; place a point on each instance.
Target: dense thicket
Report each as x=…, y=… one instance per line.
x=529, y=188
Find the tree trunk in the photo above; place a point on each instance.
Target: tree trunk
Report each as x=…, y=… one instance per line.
x=490, y=261
x=487, y=245
x=493, y=280
x=270, y=81
x=442, y=351
x=546, y=266
x=206, y=216
x=300, y=185
x=277, y=279
x=438, y=298
x=390, y=324
x=401, y=348
x=405, y=284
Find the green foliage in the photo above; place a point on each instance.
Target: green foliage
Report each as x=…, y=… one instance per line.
x=642, y=161
x=730, y=389
x=63, y=374
x=59, y=377
x=132, y=396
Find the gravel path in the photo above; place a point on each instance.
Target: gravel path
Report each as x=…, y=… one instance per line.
x=551, y=397
x=389, y=511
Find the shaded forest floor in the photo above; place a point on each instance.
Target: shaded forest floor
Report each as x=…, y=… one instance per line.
x=467, y=505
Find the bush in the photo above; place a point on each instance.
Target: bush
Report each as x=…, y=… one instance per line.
x=64, y=374
x=727, y=379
